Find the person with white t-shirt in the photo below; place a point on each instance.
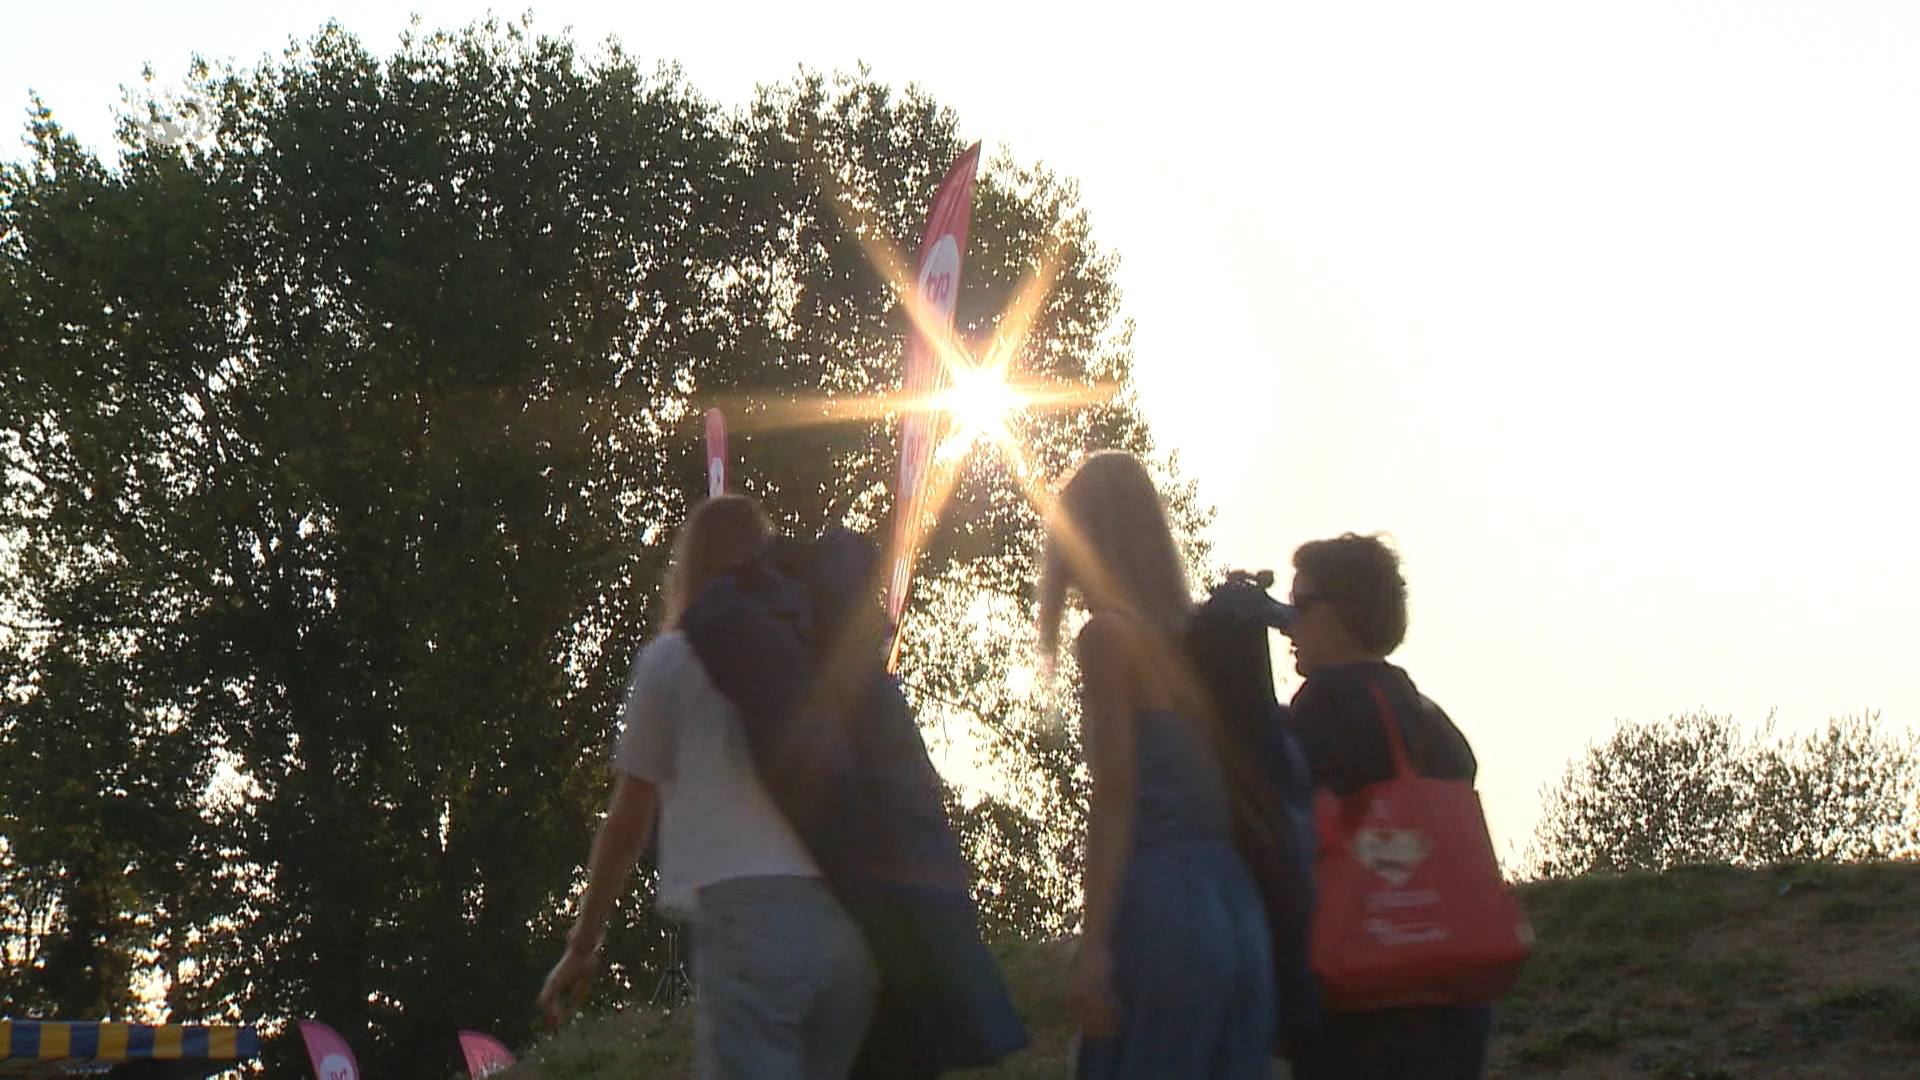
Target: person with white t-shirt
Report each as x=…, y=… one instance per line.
x=786, y=986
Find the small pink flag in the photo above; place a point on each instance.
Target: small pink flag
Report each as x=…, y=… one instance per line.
x=485, y=1055
x=716, y=453
x=332, y=1058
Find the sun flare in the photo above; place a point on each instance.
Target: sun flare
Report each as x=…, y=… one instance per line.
x=980, y=401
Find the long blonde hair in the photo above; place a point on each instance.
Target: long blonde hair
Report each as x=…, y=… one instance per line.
x=1108, y=537
x=721, y=534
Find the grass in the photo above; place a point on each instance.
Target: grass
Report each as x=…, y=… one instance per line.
x=1676, y=1064
x=1808, y=971
x=1703, y=973
x=637, y=1042
x=1846, y=909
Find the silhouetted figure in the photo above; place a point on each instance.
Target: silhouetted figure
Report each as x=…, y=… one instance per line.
x=1351, y=613
x=1174, y=974
x=785, y=982
x=796, y=640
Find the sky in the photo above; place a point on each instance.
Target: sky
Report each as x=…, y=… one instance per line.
x=1608, y=313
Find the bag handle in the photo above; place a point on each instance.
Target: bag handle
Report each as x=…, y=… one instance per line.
x=1402, y=768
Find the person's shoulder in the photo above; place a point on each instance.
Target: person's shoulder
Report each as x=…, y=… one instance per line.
x=667, y=643
x=1105, y=640
x=1399, y=684
x=1333, y=698
x=1447, y=752
x=666, y=654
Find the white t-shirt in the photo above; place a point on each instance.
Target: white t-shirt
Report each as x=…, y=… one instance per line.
x=716, y=820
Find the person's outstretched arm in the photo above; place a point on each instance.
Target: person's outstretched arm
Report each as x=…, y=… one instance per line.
x=628, y=824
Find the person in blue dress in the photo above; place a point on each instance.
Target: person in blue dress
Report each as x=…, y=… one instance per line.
x=1173, y=979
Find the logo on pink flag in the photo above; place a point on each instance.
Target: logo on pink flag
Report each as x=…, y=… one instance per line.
x=485, y=1055
x=332, y=1058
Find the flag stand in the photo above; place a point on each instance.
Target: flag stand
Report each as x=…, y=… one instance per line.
x=675, y=984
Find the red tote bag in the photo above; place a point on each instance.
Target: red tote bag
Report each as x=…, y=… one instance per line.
x=1412, y=910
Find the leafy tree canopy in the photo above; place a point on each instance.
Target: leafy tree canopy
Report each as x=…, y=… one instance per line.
x=338, y=456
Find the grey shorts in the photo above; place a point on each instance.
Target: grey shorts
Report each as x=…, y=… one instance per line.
x=785, y=983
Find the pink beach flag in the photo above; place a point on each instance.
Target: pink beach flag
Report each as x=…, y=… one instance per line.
x=716, y=453
x=936, y=288
x=485, y=1055
x=332, y=1058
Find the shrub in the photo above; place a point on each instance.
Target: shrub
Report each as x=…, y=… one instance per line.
x=1697, y=789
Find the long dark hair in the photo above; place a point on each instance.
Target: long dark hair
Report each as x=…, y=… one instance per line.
x=1108, y=537
x=721, y=534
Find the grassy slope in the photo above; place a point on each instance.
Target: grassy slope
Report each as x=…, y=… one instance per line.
x=1692, y=975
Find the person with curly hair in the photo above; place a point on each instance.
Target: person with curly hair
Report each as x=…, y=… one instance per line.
x=1351, y=614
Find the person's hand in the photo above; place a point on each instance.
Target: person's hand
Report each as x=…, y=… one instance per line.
x=1093, y=997
x=567, y=985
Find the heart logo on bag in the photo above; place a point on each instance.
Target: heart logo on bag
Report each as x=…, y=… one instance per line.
x=1393, y=854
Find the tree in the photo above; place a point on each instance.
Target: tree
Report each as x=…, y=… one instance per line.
x=1848, y=792
x=1700, y=790
x=333, y=443
x=1651, y=797
x=339, y=457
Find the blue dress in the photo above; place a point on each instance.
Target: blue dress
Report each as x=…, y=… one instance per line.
x=1193, y=966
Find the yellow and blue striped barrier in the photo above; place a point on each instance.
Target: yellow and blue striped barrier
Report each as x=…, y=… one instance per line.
x=54, y=1047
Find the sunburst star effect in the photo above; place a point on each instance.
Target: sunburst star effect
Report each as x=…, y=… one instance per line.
x=981, y=404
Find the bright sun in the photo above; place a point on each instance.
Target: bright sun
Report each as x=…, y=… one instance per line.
x=980, y=402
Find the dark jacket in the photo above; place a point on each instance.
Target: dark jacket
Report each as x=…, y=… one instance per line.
x=1337, y=720
x=840, y=753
